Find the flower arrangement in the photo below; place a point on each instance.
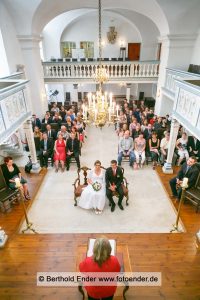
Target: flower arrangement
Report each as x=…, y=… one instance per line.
x=96, y=186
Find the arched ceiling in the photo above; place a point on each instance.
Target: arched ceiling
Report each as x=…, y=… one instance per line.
x=169, y=16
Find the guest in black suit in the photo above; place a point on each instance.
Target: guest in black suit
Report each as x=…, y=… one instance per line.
x=51, y=133
x=72, y=149
x=193, y=147
x=35, y=122
x=114, y=180
x=188, y=170
x=46, y=150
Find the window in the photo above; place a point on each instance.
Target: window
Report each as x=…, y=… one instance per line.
x=66, y=49
x=88, y=47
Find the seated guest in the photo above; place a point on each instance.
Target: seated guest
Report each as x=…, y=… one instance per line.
x=47, y=119
x=75, y=131
x=51, y=133
x=68, y=124
x=37, y=133
x=154, y=144
x=188, y=170
x=11, y=172
x=133, y=125
x=101, y=261
x=164, y=147
x=72, y=114
x=114, y=181
x=94, y=198
x=46, y=149
x=137, y=114
x=136, y=132
x=194, y=147
x=35, y=122
x=144, y=125
x=140, y=145
x=181, y=145
x=122, y=120
x=63, y=131
x=73, y=149
x=158, y=124
x=55, y=109
x=148, y=132
x=60, y=152
x=62, y=113
x=126, y=148
x=56, y=119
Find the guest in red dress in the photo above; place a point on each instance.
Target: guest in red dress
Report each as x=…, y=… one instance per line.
x=101, y=261
x=60, y=152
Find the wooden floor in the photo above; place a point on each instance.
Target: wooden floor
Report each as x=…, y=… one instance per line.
x=174, y=255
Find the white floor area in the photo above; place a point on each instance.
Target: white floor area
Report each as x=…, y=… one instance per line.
x=149, y=210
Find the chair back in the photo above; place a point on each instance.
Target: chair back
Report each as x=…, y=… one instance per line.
x=55, y=126
x=3, y=184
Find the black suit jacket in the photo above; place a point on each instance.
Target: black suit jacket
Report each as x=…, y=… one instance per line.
x=49, y=146
x=192, y=145
x=191, y=174
x=111, y=179
x=76, y=146
x=53, y=134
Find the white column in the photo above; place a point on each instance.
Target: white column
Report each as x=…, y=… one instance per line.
x=176, y=53
x=30, y=139
x=74, y=96
x=128, y=92
x=34, y=72
x=167, y=168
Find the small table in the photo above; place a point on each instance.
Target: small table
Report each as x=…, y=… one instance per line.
x=123, y=257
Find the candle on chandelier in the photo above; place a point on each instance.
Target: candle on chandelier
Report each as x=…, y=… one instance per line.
x=109, y=114
x=102, y=98
x=117, y=107
x=110, y=99
x=95, y=114
x=89, y=99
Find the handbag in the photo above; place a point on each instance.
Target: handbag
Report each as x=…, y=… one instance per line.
x=28, y=166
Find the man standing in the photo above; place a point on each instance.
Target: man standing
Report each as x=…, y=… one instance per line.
x=188, y=170
x=126, y=149
x=114, y=181
x=46, y=149
x=72, y=149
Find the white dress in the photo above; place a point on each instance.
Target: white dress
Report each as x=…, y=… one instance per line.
x=91, y=198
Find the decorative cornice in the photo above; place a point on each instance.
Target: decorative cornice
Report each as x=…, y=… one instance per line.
x=177, y=37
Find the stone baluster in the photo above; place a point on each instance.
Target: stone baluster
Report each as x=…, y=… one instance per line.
x=140, y=70
x=151, y=75
x=132, y=70
x=147, y=70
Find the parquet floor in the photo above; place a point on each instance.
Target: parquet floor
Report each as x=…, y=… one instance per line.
x=174, y=255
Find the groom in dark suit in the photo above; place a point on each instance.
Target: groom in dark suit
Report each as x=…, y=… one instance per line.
x=188, y=170
x=72, y=149
x=114, y=180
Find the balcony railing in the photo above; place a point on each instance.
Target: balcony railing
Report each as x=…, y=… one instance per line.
x=187, y=105
x=14, y=106
x=118, y=70
x=170, y=80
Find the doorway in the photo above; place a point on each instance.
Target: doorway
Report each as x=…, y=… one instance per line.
x=134, y=51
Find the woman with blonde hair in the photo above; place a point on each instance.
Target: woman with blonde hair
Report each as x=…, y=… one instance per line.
x=100, y=261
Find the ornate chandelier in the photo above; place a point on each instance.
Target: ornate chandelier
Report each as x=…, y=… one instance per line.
x=101, y=109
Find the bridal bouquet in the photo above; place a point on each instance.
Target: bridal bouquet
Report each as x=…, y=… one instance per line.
x=96, y=186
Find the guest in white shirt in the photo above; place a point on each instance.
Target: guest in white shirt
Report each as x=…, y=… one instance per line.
x=126, y=148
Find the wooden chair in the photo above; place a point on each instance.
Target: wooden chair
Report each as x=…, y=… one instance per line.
x=193, y=194
x=79, y=186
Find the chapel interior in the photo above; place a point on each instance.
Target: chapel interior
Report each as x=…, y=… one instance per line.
x=103, y=72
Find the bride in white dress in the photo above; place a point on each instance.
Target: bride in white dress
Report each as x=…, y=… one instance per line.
x=94, y=195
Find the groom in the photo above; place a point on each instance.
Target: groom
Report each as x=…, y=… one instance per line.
x=114, y=180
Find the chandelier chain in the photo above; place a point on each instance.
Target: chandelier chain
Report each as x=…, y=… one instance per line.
x=100, y=43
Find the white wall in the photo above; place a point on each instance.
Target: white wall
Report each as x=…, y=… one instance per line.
x=196, y=52
x=86, y=29
x=13, y=51
x=146, y=88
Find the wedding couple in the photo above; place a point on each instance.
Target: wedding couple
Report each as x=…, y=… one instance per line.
x=102, y=183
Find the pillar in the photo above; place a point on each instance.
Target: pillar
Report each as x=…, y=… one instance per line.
x=74, y=96
x=167, y=168
x=176, y=52
x=31, y=144
x=34, y=72
x=128, y=92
